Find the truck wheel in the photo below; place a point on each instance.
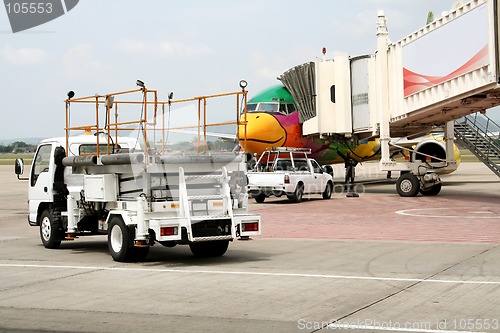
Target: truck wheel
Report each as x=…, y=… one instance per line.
x=327, y=194
x=434, y=190
x=49, y=233
x=297, y=195
x=121, y=242
x=260, y=198
x=408, y=185
x=209, y=249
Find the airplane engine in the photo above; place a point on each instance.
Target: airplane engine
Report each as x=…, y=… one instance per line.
x=430, y=147
x=435, y=147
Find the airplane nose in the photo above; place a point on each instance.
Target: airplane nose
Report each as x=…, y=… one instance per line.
x=262, y=131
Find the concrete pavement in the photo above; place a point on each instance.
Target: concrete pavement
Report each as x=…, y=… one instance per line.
x=345, y=264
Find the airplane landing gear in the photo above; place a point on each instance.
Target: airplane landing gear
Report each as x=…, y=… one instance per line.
x=409, y=184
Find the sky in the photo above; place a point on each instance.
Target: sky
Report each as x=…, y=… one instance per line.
x=191, y=47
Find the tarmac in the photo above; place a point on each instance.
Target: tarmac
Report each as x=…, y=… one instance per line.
x=377, y=263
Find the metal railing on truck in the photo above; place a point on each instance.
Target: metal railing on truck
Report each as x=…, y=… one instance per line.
x=150, y=106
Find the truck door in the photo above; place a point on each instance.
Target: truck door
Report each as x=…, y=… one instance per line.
x=304, y=173
x=41, y=179
x=319, y=180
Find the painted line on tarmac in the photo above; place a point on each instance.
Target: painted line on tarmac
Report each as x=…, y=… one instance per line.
x=185, y=271
x=421, y=212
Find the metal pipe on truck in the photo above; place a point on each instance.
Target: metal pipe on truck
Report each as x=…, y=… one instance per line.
x=79, y=160
x=125, y=158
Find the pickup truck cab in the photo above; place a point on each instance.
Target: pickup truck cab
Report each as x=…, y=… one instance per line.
x=289, y=171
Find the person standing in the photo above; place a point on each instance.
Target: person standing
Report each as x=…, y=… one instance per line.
x=350, y=173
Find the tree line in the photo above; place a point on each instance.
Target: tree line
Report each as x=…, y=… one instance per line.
x=18, y=147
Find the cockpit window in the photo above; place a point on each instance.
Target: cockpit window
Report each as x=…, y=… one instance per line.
x=251, y=107
x=266, y=107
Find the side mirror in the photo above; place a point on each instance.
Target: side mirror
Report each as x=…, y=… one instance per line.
x=19, y=167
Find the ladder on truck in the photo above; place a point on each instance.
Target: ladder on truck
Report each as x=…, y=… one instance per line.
x=476, y=132
x=203, y=210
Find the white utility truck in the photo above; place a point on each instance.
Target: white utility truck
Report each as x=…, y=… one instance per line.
x=131, y=189
x=289, y=171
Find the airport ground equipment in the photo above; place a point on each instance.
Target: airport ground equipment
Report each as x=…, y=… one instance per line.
x=481, y=135
x=136, y=188
x=444, y=71
x=289, y=171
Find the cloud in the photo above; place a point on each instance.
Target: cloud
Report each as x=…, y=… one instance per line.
x=80, y=61
x=163, y=48
x=23, y=56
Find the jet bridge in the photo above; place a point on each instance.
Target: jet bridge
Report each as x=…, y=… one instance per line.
x=446, y=70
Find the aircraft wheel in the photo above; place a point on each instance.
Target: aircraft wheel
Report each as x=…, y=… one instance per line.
x=434, y=190
x=408, y=185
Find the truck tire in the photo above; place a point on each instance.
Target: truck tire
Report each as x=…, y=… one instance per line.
x=298, y=194
x=50, y=234
x=209, y=249
x=260, y=198
x=327, y=194
x=408, y=185
x=121, y=242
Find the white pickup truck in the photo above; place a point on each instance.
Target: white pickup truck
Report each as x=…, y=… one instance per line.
x=288, y=171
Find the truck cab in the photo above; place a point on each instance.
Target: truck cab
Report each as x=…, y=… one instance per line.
x=47, y=185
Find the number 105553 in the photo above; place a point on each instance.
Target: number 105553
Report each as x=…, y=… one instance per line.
x=29, y=7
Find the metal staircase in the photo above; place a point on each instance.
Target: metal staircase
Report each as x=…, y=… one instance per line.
x=481, y=136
